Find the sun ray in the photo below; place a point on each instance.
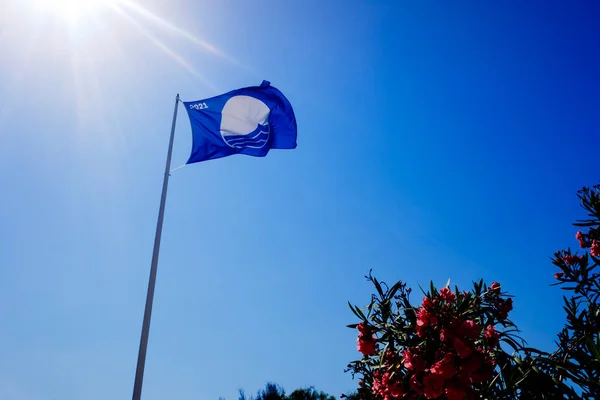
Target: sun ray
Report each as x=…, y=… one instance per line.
x=164, y=48
x=170, y=27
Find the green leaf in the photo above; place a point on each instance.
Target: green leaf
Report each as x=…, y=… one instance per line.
x=592, y=346
x=585, y=223
x=357, y=312
x=511, y=343
x=362, y=315
x=378, y=287
x=394, y=289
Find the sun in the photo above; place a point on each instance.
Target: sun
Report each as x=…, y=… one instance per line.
x=75, y=11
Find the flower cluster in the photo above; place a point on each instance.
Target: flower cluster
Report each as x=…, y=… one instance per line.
x=457, y=352
x=595, y=248
x=571, y=260
x=588, y=240
x=450, y=353
x=448, y=346
x=365, y=343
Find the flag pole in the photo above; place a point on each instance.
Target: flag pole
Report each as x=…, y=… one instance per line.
x=141, y=361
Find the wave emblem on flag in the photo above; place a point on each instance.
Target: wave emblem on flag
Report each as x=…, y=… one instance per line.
x=249, y=121
x=245, y=122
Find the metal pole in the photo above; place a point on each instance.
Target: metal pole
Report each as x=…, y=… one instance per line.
x=139, y=372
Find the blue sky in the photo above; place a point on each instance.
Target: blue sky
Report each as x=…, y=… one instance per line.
x=436, y=141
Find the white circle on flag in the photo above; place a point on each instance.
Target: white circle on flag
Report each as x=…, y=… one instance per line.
x=245, y=122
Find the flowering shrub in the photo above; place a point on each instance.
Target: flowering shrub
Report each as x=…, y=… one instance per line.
x=577, y=358
x=446, y=347
x=449, y=345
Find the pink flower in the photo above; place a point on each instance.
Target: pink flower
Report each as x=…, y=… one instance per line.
x=390, y=357
x=427, y=303
x=571, y=260
x=447, y=295
x=366, y=346
x=579, y=236
x=558, y=275
x=492, y=336
x=495, y=287
x=366, y=340
x=462, y=349
x=415, y=385
x=385, y=379
x=455, y=393
x=396, y=390
x=445, y=335
x=408, y=359
x=412, y=361
x=444, y=367
x=424, y=318
x=470, y=329
x=376, y=386
x=595, y=248
x=504, y=306
x=363, y=329
x=434, y=386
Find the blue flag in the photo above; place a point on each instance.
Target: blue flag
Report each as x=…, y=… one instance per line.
x=249, y=121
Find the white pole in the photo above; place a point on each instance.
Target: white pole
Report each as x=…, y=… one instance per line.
x=139, y=372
